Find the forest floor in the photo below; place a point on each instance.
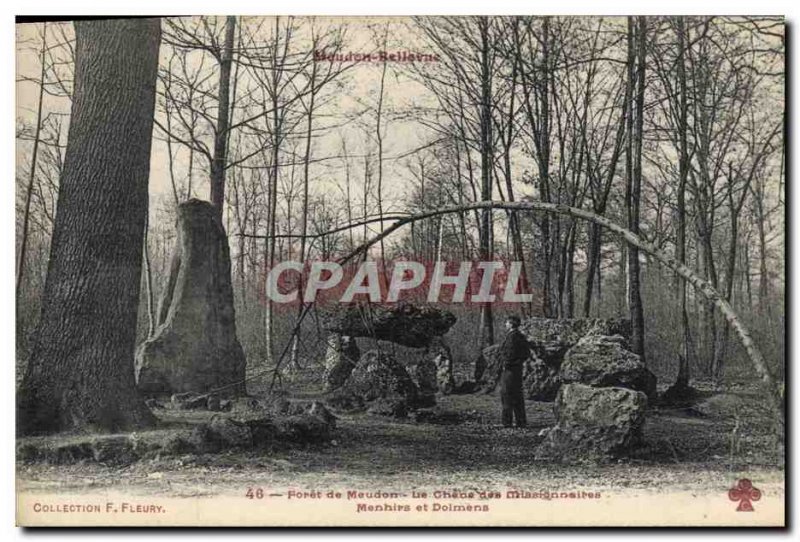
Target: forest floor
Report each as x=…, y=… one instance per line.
x=687, y=449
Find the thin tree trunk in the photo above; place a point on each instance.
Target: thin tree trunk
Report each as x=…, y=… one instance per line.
x=634, y=174
x=486, y=333
x=32, y=177
x=349, y=202
x=544, y=164
x=219, y=160
x=148, y=277
x=379, y=139
x=513, y=219
x=294, y=363
x=684, y=358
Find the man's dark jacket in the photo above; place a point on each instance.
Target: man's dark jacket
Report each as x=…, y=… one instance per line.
x=514, y=350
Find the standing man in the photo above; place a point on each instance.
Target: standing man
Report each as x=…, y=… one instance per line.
x=512, y=355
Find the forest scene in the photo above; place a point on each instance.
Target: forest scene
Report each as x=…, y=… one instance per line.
x=628, y=173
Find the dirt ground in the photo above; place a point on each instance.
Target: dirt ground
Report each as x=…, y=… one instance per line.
x=686, y=449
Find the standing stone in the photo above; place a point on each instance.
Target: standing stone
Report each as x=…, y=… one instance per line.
x=444, y=373
x=425, y=376
x=341, y=356
x=194, y=347
x=435, y=372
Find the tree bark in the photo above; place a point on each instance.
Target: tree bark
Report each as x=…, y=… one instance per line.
x=148, y=281
x=218, y=162
x=81, y=372
x=633, y=193
x=682, y=380
x=487, y=321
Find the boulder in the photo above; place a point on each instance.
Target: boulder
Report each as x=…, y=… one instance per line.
x=492, y=369
x=187, y=401
x=341, y=356
x=603, y=361
x=249, y=408
x=246, y=408
x=200, y=440
x=320, y=411
x=721, y=406
x=342, y=400
x=445, y=381
x=541, y=381
x=378, y=376
x=390, y=407
x=594, y=424
x=116, y=450
x=401, y=323
x=213, y=403
x=304, y=429
x=551, y=338
x=194, y=347
x=425, y=376
x=264, y=432
x=230, y=433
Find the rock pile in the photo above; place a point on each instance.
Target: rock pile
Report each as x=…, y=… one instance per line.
x=380, y=383
x=549, y=340
x=604, y=361
x=600, y=407
x=254, y=423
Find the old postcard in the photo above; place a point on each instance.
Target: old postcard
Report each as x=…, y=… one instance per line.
x=400, y=271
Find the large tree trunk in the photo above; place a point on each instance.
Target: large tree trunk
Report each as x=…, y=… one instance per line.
x=80, y=375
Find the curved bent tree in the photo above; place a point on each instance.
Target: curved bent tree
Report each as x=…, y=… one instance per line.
x=701, y=285
x=80, y=373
